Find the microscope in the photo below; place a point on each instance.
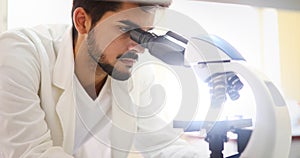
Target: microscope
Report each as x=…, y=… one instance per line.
x=220, y=69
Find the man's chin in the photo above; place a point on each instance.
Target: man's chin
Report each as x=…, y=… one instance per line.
x=115, y=73
x=120, y=76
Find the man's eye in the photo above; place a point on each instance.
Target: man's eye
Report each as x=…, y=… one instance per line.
x=125, y=28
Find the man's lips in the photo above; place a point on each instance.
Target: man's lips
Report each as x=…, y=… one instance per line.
x=128, y=61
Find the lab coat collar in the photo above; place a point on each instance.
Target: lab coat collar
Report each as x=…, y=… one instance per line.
x=64, y=66
x=63, y=72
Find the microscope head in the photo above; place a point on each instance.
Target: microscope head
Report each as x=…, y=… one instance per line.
x=173, y=49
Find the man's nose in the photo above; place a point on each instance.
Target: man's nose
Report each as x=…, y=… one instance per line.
x=135, y=46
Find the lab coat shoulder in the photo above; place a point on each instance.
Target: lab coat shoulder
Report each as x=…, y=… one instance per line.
x=31, y=45
x=39, y=41
x=26, y=54
x=18, y=54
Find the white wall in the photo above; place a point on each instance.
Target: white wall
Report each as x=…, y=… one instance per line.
x=282, y=4
x=35, y=12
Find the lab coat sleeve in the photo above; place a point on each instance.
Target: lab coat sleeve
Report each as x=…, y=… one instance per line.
x=155, y=137
x=24, y=131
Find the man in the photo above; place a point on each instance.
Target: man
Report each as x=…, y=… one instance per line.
x=53, y=79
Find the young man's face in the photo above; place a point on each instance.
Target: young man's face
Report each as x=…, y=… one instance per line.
x=109, y=41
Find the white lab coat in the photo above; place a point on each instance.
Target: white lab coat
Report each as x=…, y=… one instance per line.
x=37, y=110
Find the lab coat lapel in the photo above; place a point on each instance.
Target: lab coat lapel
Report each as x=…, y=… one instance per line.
x=63, y=72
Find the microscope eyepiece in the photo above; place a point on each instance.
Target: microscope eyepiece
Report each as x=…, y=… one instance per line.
x=168, y=48
x=142, y=37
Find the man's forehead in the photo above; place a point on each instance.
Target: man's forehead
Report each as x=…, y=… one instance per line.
x=135, y=15
x=132, y=17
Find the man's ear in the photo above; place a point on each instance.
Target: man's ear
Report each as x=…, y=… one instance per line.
x=82, y=21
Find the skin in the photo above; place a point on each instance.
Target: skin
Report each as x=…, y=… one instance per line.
x=107, y=42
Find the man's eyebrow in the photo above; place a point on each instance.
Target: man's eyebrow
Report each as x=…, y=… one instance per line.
x=129, y=23
x=133, y=25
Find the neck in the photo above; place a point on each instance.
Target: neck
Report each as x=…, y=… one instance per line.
x=93, y=90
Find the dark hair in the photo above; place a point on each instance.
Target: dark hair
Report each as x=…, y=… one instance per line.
x=96, y=9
